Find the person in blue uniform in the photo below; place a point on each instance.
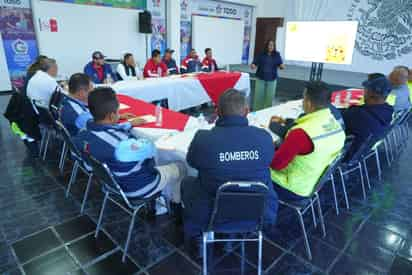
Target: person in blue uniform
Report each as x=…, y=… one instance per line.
x=170, y=62
x=220, y=156
x=99, y=71
x=131, y=159
x=191, y=64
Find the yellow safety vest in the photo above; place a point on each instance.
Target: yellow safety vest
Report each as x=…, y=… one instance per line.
x=303, y=173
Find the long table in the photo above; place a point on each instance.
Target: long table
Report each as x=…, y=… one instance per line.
x=184, y=91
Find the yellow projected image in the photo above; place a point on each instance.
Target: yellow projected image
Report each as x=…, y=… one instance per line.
x=336, y=51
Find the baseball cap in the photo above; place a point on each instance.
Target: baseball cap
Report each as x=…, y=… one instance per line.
x=98, y=55
x=380, y=86
x=132, y=150
x=168, y=50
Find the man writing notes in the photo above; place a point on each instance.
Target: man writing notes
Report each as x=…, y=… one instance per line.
x=309, y=147
x=220, y=156
x=154, y=66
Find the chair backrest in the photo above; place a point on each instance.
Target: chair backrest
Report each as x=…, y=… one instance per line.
x=68, y=140
x=103, y=174
x=239, y=207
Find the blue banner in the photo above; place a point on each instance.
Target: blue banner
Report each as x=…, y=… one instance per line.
x=19, y=39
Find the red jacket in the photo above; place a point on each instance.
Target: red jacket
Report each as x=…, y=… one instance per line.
x=207, y=64
x=151, y=69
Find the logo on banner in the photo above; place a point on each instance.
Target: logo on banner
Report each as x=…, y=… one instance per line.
x=20, y=47
x=219, y=9
x=385, y=28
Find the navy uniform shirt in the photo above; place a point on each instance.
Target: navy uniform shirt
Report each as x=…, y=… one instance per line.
x=136, y=178
x=233, y=151
x=74, y=115
x=267, y=66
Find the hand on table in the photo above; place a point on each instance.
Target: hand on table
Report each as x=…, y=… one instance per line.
x=278, y=119
x=137, y=121
x=127, y=116
x=253, y=66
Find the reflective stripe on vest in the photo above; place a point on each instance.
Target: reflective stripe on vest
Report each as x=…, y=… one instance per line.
x=303, y=173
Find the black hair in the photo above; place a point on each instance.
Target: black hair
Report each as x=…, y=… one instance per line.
x=232, y=102
x=207, y=49
x=102, y=102
x=266, y=50
x=318, y=93
x=373, y=76
x=78, y=81
x=155, y=53
x=46, y=63
x=125, y=57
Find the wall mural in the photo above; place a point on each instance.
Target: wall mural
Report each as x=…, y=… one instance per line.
x=385, y=28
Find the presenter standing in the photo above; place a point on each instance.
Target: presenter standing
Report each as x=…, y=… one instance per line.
x=266, y=65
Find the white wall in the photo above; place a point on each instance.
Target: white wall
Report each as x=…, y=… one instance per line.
x=83, y=29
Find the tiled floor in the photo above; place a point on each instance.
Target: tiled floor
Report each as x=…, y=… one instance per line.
x=42, y=232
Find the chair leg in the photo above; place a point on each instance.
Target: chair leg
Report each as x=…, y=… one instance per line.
x=63, y=157
x=242, y=262
x=313, y=214
x=260, y=248
x=378, y=164
x=73, y=177
x=342, y=178
x=332, y=178
x=320, y=213
x=99, y=222
x=366, y=174
x=305, y=235
x=86, y=193
x=46, y=145
x=362, y=180
x=204, y=253
x=385, y=143
x=129, y=235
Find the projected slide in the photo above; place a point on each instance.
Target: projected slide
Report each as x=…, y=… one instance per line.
x=321, y=41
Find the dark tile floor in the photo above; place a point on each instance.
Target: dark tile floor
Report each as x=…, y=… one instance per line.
x=42, y=232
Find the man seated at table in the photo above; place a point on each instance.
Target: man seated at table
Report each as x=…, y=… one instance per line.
x=399, y=97
x=209, y=63
x=99, y=71
x=43, y=84
x=154, y=66
x=191, y=63
x=170, y=62
x=372, y=118
x=130, y=158
x=231, y=151
x=309, y=147
x=75, y=113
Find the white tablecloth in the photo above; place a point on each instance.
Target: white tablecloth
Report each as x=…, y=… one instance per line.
x=173, y=145
x=181, y=92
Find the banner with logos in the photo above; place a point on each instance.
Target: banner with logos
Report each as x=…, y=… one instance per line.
x=19, y=38
x=158, y=39
x=215, y=9
x=128, y=4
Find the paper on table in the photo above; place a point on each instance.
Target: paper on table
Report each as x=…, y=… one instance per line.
x=146, y=118
x=123, y=106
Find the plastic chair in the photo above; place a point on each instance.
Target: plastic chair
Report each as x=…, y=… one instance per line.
x=302, y=206
x=115, y=194
x=227, y=218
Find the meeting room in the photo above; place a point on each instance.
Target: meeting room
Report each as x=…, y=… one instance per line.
x=187, y=137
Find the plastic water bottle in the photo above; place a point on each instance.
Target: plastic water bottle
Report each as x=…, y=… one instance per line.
x=337, y=100
x=159, y=115
x=253, y=120
x=348, y=98
x=197, y=67
x=109, y=79
x=159, y=72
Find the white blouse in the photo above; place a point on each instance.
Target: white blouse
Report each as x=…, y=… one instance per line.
x=122, y=72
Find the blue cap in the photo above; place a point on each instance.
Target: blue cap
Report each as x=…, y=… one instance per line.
x=380, y=86
x=132, y=150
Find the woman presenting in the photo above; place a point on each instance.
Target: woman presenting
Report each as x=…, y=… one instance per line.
x=267, y=64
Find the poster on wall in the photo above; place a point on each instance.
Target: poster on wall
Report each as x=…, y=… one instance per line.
x=158, y=38
x=19, y=38
x=213, y=9
x=124, y=4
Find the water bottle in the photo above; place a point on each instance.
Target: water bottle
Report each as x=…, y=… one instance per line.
x=159, y=115
x=348, y=98
x=197, y=67
x=337, y=100
x=109, y=79
x=253, y=120
x=159, y=72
